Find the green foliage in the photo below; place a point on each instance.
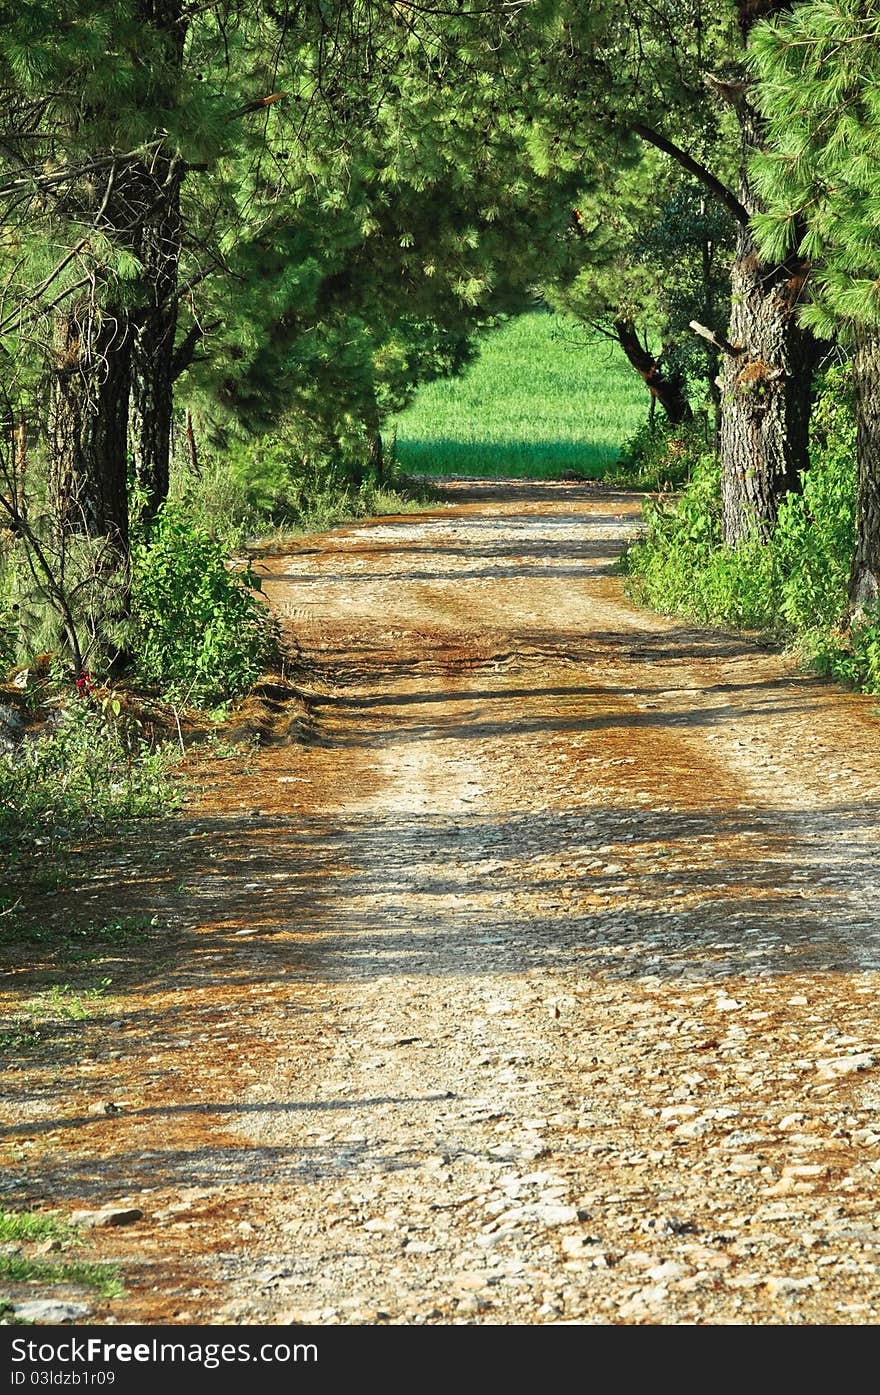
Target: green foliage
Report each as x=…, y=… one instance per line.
x=687, y=249
x=307, y=264
x=660, y=457
x=285, y=491
x=363, y=262
x=819, y=72
x=852, y=656
x=813, y=543
x=651, y=253
x=264, y=487
x=541, y=399
x=19, y=1269
x=9, y=627
x=323, y=254
x=220, y=501
x=92, y=766
x=793, y=586
x=93, y=593
x=198, y=630
x=326, y=502
x=34, y=1226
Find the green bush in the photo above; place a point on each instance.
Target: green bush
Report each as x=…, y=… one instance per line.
x=264, y=487
x=301, y=495
x=795, y=586
x=852, y=656
x=660, y=456
x=816, y=534
x=198, y=631
x=91, y=766
x=220, y=502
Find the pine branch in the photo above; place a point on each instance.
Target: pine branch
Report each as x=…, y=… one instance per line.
x=185, y=353
x=48, y=180
x=34, y=296
x=258, y=104
x=719, y=190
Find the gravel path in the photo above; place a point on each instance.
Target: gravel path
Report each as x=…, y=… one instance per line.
x=538, y=987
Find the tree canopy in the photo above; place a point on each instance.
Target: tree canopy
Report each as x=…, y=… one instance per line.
x=287, y=216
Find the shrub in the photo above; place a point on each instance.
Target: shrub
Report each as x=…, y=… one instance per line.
x=852, y=655
x=816, y=534
x=295, y=494
x=92, y=765
x=8, y=618
x=198, y=631
x=219, y=501
x=265, y=486
x=796, y=584
x=661, y=456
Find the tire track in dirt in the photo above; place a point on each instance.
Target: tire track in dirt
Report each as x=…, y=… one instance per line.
x=510, y=996
x=542, y=885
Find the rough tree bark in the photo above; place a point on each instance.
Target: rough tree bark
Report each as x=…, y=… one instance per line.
x=767, y=385
x=864, y=587
x=767, y=369
x=107, y=360
x=88, y=421
x=158, y=246
x=667, y=389
x=154, y=330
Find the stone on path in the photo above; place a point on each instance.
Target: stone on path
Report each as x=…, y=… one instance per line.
x=833, y=1067
x=108, y=1215
x=50, y=1310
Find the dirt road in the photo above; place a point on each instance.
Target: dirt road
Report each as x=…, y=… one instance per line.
x=539, y=985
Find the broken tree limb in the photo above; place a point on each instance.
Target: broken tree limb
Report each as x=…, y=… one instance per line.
x=716, y=340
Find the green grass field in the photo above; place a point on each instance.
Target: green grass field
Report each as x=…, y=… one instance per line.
x=537, y=402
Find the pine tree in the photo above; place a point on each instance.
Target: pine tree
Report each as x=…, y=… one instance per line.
x=656, y=75
x=157, y=245
x=768, y=367
x=648, y=256
x=362, y=264
x=149, y=168
x=61, y=183
x=819, y=72
x=93, y=186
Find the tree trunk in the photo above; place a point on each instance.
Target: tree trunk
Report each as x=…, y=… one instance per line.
x=864, y=587
x=376, y=455
x=155, y=326
x=158, y=244
x=88, y=425
x=669, y=390
x=766, y=394
x=192, y=449
x=767, y=383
